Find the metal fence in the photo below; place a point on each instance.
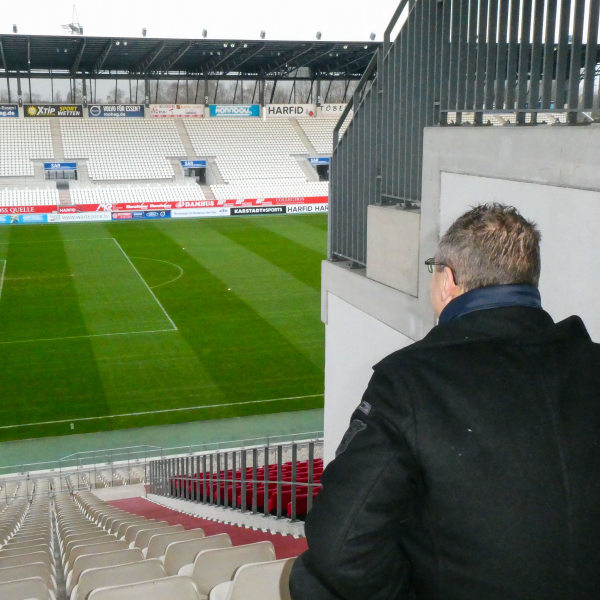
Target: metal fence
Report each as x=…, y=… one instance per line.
x=456, y=62
x=231, y=479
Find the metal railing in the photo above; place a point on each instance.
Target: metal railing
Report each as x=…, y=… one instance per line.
x=526, y=61
x=121, y=466
x=217, y=478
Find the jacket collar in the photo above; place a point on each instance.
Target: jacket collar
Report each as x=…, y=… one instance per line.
x=495, y=296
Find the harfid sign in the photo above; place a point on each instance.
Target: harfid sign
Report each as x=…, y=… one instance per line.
x=291, y=110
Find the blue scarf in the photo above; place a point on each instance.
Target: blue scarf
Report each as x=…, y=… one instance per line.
x=494, y=296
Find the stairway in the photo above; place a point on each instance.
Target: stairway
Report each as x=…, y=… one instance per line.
x=57, y=145
x=212, y=163
x=64, y=198
x=185, y=139
x=309, y=147
x=208, y=193
x=307, y=169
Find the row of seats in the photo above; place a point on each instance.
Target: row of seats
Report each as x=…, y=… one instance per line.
x=27, y=563
x=320, y=132
x=134, y=150
x=240, y=135
x=28, y=197
x=155, y=194
x=110, y=554
x=270, y=188
x=227, y=489
x=20, y=142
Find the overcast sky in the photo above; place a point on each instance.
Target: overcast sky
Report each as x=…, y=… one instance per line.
x=281, y=19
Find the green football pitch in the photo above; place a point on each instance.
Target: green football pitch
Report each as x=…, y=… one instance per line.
x=119, y=325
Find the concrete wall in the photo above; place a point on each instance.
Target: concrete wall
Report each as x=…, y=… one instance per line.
x=354, y=342
x=550, y=173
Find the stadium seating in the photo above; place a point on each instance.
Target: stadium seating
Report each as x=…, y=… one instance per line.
x=20, y=141
x=270, y=188
x=212, y=567
x=28, y=197
x=129, y=194
x=243, y=136
x=259, y=581
x=320, y=132
x=117, y=150
x=27, y=568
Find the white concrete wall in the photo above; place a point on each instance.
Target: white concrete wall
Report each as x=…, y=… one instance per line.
x=354, y=342
x=551, y=173
x=567, y=217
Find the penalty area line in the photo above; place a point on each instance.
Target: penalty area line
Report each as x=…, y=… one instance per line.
x=77, y=337
x=147, y=286
x=155, y=412
x=2, y=276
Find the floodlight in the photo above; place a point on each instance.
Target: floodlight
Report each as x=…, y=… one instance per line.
x=14, y=29
x=144, y=32
x=372, y=36
x=204, y=33
x=318, y=35
x=262, y=35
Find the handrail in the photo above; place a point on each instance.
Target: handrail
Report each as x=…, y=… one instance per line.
x=391, y=25
x=22, y=469
x=359, y=88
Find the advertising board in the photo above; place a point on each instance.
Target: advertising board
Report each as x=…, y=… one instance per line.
x=177, y=110
x=151, y=214
x=15, y=210
x=258, y=210
x=332, y=110
x=66, y=166
x=193, y=164
x=291, y=110
x=116, y=110
x=319, y=160
x=52, y=110
x=119, y=216
x=235, y=110
x=307, y=208
x=9, y=110
x=195, y=213
x=82, y=217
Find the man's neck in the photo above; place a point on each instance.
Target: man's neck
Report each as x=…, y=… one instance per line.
x=491, y=297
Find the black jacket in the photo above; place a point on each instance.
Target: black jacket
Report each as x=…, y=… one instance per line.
x=471, y=470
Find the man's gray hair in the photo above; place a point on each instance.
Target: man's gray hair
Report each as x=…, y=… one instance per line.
x=491, y=244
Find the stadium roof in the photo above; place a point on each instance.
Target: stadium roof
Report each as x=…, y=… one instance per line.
x=102, y=57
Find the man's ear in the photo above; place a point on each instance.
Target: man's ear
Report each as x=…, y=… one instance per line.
x=449, y=288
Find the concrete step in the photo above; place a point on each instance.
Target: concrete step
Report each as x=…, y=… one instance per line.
x=185, y=138
x=212, y=163
x=309, y=147
x=311, y=174
x=64, y=198
x=57, y=145
x=208, y=193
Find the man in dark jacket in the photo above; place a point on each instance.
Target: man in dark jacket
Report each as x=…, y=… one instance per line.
x=471, y=469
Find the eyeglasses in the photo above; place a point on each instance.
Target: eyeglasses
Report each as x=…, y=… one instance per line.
x=430, y=263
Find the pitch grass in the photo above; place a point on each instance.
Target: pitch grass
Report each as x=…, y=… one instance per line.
x=98, y=320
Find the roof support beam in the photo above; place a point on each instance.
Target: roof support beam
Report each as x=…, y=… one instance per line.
x=4, y=63
x=150, y=58
x=236, y=65
x=288, y=59
x=174, y=57
x=77, y=58
x=212, y=65
x=103, y=54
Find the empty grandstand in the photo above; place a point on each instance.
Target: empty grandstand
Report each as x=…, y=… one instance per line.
x=20, y=142
x=137, y=149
